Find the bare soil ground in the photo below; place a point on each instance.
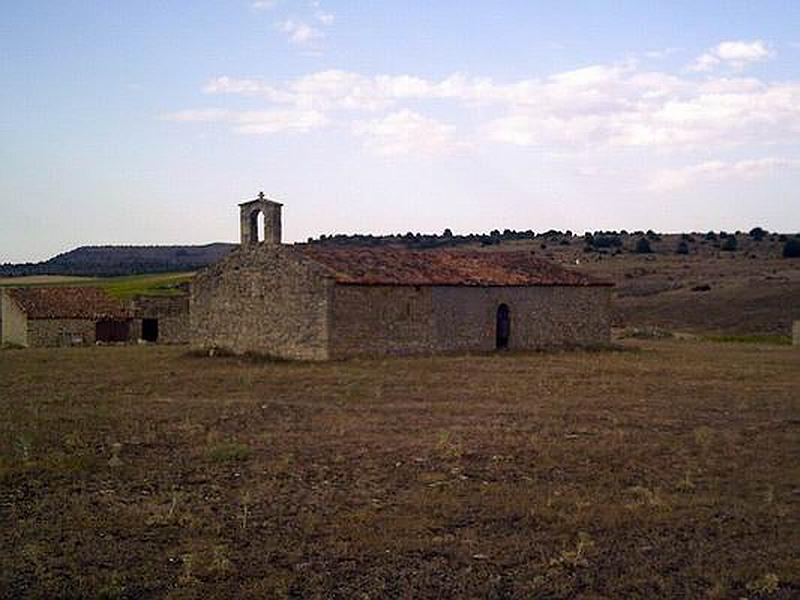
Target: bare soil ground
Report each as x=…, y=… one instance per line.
x=665, y=469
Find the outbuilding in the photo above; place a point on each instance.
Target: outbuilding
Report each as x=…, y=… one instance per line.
x=61, y=316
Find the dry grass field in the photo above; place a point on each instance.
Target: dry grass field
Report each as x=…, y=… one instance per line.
x=124, y=287
x=752, y=290
x=660, y=469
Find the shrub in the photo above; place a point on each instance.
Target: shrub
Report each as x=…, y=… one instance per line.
x=643, y=246
x=730, y=244
x=647, y=333
x=758, y=233
x=606, y=241
x=683, y=248
x=756, y=338
x=228, y=452
x=11, y=346
x=791, y=249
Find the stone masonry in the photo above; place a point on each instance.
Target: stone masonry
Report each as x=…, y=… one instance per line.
x=171, y=313
x=13, y=322
x=263, y=299
x=302, y=302
x=60, y=332
x=432, y=319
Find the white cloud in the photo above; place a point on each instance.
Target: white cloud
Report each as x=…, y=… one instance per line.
x=743, y=51
x=704, y=62
x=255, y=122
x=631, y=108
x=669, y=180
x=308, y=30
x=595, y=108
x=734, y=54
x=405, y=132
x=300, y=33
x=663, y=53
x=264, y=4
x=324, y=17
x=274, y=121
x=202, y=115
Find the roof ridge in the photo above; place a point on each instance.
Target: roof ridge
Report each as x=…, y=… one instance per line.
x=402, y=266
x=69, y=302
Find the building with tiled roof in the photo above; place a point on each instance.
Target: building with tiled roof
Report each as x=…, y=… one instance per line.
x=311, y=302
x=61, y=316
x=377, y=266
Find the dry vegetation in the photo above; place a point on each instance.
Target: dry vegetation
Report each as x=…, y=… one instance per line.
x=667, y=469
x=750, y=290
x=124, y=287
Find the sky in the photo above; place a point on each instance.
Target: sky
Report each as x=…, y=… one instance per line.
x=126, y=122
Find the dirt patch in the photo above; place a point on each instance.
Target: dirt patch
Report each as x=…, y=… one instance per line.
x=144, y=472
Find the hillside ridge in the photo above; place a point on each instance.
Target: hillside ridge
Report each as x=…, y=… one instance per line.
x=111, y=261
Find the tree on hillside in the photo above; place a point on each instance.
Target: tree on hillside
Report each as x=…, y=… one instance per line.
x=643, y=246
x=791, y=249
x=758, y=233
x=606, y=241
x=730, y=244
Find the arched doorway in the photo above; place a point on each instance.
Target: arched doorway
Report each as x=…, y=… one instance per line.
x=503, y=326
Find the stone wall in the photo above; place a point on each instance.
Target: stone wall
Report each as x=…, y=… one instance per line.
x=262, y=298
x=248, y=221
x=372, y=320
x=60, y=332
x=13, y=322
x=172, y=313
x=376, y=320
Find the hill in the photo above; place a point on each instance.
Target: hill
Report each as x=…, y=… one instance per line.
x=109, y=261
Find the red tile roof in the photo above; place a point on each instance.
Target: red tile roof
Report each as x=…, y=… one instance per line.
x=69, y=303
x=373, y=266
